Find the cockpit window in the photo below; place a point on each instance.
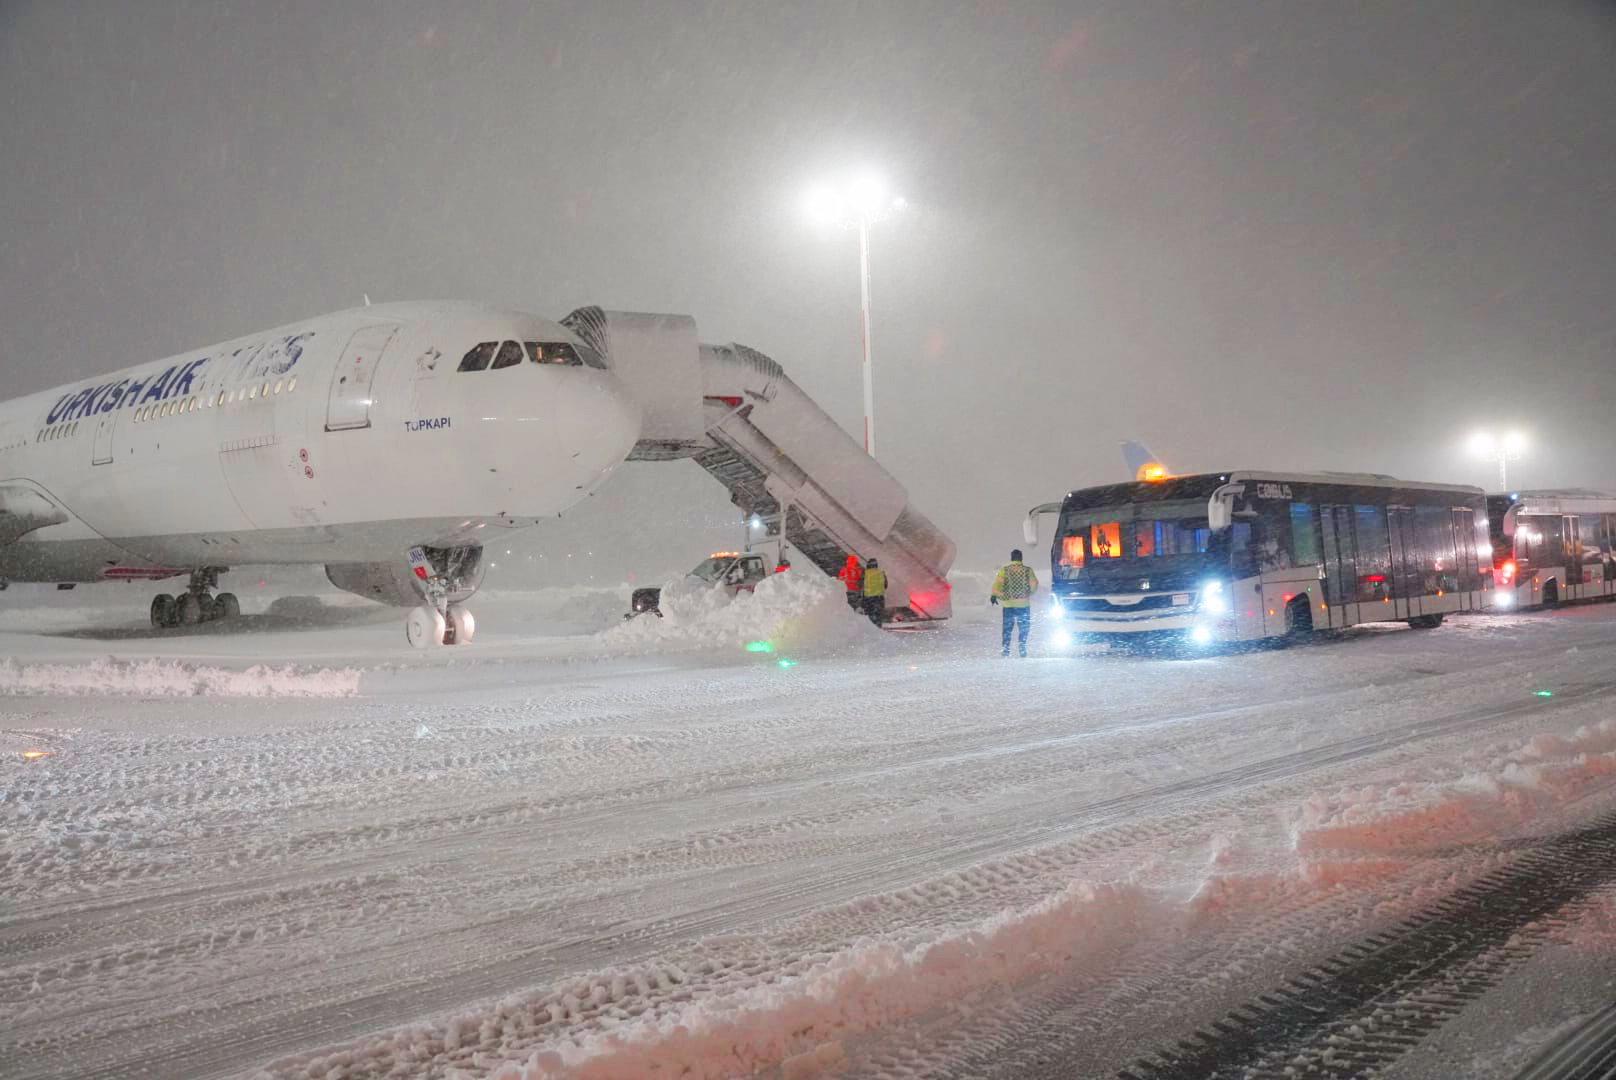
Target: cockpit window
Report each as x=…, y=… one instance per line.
x=510, y=354
x=552, y=352
x=477, y=359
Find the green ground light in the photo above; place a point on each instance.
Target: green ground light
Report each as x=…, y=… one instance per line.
x=783, y=662
x=1542, y=693
x=759, y=646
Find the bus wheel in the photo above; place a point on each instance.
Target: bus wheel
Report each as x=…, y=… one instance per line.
x=1299, y=619
x=1425, y=622
x=1551, y=594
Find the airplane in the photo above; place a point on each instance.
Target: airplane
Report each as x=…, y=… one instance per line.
x=299, y=445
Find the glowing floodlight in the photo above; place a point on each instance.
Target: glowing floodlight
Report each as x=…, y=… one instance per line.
x=859, y=201
x=1500, y=448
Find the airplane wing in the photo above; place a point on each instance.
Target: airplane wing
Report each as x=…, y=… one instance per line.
x=22, y=510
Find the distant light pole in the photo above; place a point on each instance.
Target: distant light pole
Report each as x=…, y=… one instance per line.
x=1503, y=449
x=859, y=202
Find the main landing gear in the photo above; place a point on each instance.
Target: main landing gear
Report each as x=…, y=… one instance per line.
x=436, y=622
x=197, y=604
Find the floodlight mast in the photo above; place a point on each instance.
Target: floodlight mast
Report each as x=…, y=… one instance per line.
x=1503, y=449
x=861, y=203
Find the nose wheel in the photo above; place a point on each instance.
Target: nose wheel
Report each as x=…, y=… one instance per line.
x=436, y=622
x=427, y=627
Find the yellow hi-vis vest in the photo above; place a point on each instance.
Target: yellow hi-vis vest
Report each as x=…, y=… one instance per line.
x=875, y=581
x=1015, y=584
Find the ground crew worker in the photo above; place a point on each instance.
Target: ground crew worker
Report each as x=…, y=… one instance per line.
x=1013, y=587
x=852, y=576
x=875, y=592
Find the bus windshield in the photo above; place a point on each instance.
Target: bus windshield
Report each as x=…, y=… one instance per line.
x=1158, y=537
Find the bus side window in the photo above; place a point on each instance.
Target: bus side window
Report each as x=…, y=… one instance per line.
x=1271, y=537
x=1304, y=535
x=1242, y=559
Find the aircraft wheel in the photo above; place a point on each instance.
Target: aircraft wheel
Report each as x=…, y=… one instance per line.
x=191, y=610
x=164, y=611
x=226, y=606
x=462, y=625
x=425, y=627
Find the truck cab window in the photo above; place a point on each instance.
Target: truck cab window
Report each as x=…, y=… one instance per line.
x=477, y=359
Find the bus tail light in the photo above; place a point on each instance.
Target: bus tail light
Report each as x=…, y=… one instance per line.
x=1509, y=570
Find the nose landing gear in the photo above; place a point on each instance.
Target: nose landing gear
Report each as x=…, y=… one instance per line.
x=436, y=622
x=196, y=605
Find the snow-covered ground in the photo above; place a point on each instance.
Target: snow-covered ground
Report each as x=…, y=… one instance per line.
x=588, y=849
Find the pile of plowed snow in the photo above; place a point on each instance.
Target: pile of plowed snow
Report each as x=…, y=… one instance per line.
x=797, y=611
x=167, y=678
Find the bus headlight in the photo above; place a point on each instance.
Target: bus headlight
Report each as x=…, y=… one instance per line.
x=1055, y=606
x=1201, y=635
x=1061, y=639
x=1213, y=600
x=1503, y=599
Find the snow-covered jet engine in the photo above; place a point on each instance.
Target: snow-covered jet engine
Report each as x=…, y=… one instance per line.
x=384, y=443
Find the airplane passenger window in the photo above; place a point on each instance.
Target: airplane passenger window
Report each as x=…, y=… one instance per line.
x=278, y=385
x=510, y=354
x=291, y=384
x=559, y=352
x=252, y=393
x=477, y=359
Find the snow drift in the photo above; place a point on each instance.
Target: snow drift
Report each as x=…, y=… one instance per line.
x=168, y=678
x=794, y=612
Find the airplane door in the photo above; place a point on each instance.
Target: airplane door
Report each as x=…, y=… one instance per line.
x=101, y=445
x=349, y=404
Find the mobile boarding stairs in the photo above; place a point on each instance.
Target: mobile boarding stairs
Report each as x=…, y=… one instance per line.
x=785, y=462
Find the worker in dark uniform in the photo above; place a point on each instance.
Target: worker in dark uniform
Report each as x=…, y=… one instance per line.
x=875, y=592
x=1013, y=587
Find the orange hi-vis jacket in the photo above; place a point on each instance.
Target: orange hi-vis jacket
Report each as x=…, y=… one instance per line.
x=852, y=575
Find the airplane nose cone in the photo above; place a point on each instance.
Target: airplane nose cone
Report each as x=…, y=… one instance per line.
x=598, y=423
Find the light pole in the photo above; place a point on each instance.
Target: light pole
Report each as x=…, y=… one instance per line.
x=860, y=202
x=1503, y=449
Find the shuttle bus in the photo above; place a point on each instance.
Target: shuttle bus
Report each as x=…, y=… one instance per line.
x=1241, y=556
x=1552, y=546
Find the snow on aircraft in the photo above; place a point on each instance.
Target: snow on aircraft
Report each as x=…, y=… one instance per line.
x=300, y=445
x=387, y=443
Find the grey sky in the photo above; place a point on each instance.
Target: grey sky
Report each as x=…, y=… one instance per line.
x=1288, y=234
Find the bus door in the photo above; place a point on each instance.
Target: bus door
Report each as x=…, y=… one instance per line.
x=1340, y=574
x=1407, y=582
x=1468, y=572
x=1572, y=556
x=1548, y=556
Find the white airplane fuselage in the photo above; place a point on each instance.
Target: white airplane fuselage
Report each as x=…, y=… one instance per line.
x=348, y=438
